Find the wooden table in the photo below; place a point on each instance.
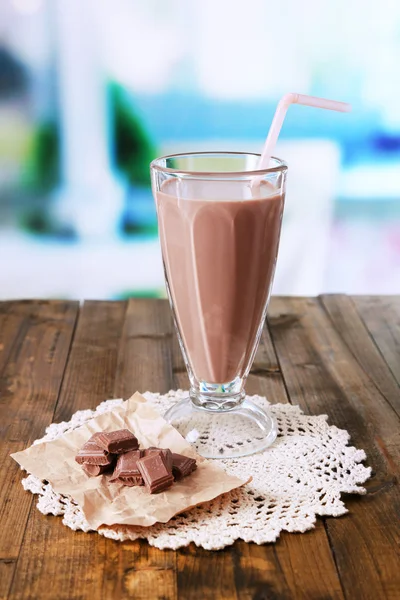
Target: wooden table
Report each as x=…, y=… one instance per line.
x=335, y=355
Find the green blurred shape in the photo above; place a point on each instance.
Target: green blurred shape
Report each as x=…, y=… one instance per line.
x=133, y=148
x=153, y=293
x=147, y=230
x=39, y=221
x=42, y=171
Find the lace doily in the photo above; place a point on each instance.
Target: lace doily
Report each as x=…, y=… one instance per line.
x=302, y=475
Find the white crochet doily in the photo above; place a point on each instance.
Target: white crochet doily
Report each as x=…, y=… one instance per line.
x=302, y=475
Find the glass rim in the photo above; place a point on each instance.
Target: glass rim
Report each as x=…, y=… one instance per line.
x=280, y=167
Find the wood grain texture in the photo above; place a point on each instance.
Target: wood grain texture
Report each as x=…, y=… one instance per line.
x=144, y=360
x=35, y=338
x=331, y=355
x=90, y=376
x=296, y=566
x=12, y=318
x=322, y=376
x=381, y=315
x=7, y=568
x=73, y=561
x=29, y=385
x=136, y=570
x=351, y=328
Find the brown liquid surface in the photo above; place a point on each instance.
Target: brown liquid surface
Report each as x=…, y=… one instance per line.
x=219, y=246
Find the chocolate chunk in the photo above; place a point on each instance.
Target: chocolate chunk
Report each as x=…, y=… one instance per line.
x=155, y=472
x=150, y=450
x=167, y=458
x=92, y=454
x=166, y=452
x=94, y=470
x=126, y=468
x=182, y=465
x=117, y=442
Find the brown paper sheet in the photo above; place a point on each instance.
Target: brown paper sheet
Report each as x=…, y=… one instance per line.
x=108, y=504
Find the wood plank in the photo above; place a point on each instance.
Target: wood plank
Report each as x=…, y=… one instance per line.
x=294, y=567
x=90, y=376
x=7, y=568
x=29, y=386
x=137, y=570
x=381, y=315
x=34, y=337
x=351, y=328
x=322, y=376
x=205, y=575
x=10, y=330
x=10, y=334
x=144, y=361
x=55, y=561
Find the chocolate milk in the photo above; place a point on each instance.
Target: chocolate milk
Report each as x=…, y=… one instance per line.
x=219, y=242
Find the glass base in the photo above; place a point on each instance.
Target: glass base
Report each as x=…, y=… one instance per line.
x=244, y=430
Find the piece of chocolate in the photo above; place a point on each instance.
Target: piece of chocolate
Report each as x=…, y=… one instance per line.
x=182, y=465
x=117, y=442
x=127, y=468
x=167, y=458
x=150, y=450
x=95, y=470
x=92, y=454
x=155, y=473
x=166, y=452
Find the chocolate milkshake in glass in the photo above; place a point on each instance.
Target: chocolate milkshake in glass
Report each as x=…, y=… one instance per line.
x=219, y=224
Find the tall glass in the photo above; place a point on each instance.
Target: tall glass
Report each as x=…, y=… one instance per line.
x=219, y=225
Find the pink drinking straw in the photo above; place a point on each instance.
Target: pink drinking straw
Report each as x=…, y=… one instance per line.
x=280, y=115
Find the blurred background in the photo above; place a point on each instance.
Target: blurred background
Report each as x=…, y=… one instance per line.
x=92, y=90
